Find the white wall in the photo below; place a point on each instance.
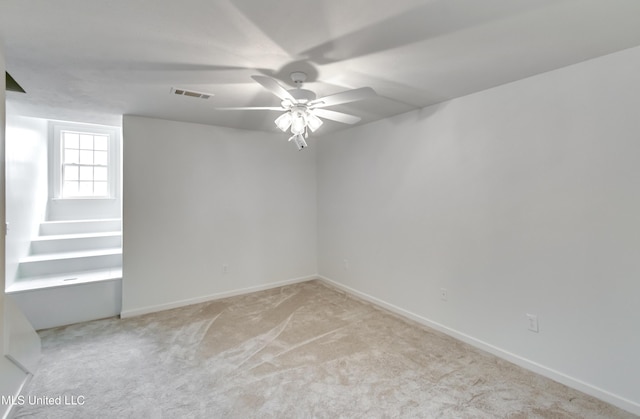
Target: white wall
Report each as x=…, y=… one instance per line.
x=26, y=186
x=22, y=343
x=520, y=199
x=12, y=378
x=199, y=197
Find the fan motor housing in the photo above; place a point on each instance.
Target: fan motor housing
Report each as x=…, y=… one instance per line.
x=302, y=95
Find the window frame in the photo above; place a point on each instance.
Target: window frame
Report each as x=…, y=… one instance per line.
x=56, y=143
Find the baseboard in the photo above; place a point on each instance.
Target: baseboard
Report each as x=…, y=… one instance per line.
x=560, y=377
x=212, y=297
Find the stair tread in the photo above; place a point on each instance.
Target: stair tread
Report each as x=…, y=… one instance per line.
x=58, y=227
x=64, y=279
x=82, y=221
x=76, y=236
x=72, y=255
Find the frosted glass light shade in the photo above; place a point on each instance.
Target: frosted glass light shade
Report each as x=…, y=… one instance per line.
x=283, y=121
x=313, y=122
x=298, y=124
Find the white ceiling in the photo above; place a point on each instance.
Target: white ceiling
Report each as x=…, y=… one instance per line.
x=95, y=60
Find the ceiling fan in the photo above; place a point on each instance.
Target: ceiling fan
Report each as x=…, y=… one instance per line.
x=302, y=110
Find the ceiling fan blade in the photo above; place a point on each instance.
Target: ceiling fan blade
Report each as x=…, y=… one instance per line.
x=336, y=116
x=253, y=108
x=274, y=87
x=344, y=97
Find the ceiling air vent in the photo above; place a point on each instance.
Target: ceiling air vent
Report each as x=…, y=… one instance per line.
x=190, y=93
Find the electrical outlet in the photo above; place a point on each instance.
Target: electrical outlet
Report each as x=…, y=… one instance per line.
x=532, y=320
x=345, y=264
x=225, y=269
x=443, y=294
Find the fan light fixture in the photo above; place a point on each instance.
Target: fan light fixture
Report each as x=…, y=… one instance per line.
x=303, y=110
x=299, y=120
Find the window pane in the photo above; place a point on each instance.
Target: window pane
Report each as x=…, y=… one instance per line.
x=86, y=157
x=86, y=188
x=71, y=156
x=86, y=141
x=86, y=173
x=70, y=173
x=101, y=158
x=100, y=188
x=100, y=173
x=100, y=142
x=70, y=189
x=71, y=140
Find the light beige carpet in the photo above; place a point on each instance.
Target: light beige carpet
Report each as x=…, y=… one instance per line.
x=300, y=351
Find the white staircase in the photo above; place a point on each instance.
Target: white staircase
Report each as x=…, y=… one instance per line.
x=72, y=274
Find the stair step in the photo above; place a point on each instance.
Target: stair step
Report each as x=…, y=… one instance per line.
x=64, y=279
x=75, y=242
x=71, y=255
x=80, y=226
x=60, y=263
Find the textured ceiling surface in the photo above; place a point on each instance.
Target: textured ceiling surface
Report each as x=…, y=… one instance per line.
x=95, y=60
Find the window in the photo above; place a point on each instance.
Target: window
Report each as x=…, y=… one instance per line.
x=84, y=162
